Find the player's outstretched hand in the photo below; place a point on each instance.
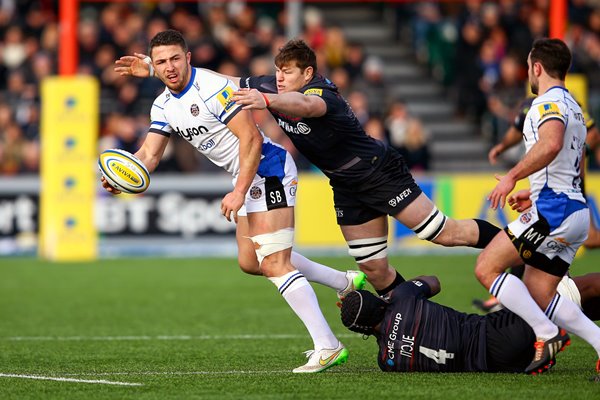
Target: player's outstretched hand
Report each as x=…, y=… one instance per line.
x=133, y=66
x=231, y=204
x=520, y=201
x=494, y=153
x=250, y=99
x=498, y=196
x=109, y=188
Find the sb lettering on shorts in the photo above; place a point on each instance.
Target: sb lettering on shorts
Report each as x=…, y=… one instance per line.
x=275, y=193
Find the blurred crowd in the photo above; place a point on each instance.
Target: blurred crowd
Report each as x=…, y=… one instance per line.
x=476, y=49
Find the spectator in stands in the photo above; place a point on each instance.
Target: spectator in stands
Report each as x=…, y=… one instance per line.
x=314, y=30
x=408, y=136
x=373, y=84
x=470, y=99
x=355, y=58
x=340, y=77
x=504, y=97
x=335, y=47
x=29, y=43
x=11, y=149
x=360, y=106
x=376, y=129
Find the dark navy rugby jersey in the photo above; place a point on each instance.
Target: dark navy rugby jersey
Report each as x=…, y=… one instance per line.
x=524, y=107
x=336, y=142
x=420, y=335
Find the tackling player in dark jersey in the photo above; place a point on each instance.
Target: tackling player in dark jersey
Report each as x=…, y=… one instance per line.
x=416, y=334
x=369, y=179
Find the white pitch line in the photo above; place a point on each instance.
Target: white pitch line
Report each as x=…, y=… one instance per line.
x=173, y=373
x=159, y=337
x=61, y=379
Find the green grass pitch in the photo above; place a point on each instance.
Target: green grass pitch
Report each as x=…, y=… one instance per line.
x=201, y=329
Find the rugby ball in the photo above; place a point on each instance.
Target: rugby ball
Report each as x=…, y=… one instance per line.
x=124, y=171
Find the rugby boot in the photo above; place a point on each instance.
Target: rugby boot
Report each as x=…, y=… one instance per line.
x=546, y=351
x=323, y=359
x=596, y=378
x=356, y=281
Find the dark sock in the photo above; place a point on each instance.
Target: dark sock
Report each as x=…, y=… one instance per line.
x=487, y=232
x=398, y=280
x=518, y=271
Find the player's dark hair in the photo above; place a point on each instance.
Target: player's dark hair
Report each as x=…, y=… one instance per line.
x=296, y=51
x=554, y=55
x=362, y=311
x=169, y=37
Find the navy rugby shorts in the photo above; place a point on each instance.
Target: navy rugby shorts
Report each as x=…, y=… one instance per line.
x=509, y=342
x=386, y=191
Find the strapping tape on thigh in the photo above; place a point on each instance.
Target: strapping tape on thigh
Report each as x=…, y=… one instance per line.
x=273, y=242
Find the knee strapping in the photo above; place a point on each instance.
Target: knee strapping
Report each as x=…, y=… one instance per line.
x=431, y=226
x=269, y=243
x=364, y=250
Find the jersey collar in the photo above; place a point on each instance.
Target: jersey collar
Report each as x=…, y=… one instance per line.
x=187, y=87
x=558, y=87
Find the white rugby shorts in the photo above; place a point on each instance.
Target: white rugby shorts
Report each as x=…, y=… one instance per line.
x=561, y=241
x=275, y=184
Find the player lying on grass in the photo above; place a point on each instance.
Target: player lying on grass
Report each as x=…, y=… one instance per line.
x=416, y=334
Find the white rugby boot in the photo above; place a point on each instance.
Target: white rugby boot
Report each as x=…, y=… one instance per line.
x=356, y=281
x=323, y=359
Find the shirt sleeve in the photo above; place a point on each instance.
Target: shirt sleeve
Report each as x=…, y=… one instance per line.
x=519, y=122
x=550, y=110
x=158, y=120
x=221, y=105
x=263, y=83
x=414, y=288
x=333, y=101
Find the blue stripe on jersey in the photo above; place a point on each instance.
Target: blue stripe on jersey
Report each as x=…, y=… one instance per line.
x=556, y=207
x=158, y=123
x=187, y=87
x=273, y=163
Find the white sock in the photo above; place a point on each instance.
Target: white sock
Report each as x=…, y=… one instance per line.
x=568, y=315
x=301, y=297
x=513, y=294
x=319, y=273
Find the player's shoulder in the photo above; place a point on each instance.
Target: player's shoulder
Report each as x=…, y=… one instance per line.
x=210, y=83
x=550, y=104
x=318, y=86
x=161, y=100
x=410, y=288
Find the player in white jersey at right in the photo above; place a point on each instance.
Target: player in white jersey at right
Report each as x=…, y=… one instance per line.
x=196, y=104
x=547, y=235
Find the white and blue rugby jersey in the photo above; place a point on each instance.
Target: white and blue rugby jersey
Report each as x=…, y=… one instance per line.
x=199, y=114
x=561, y=176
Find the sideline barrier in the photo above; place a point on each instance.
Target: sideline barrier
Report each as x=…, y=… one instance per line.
x=179, y=215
